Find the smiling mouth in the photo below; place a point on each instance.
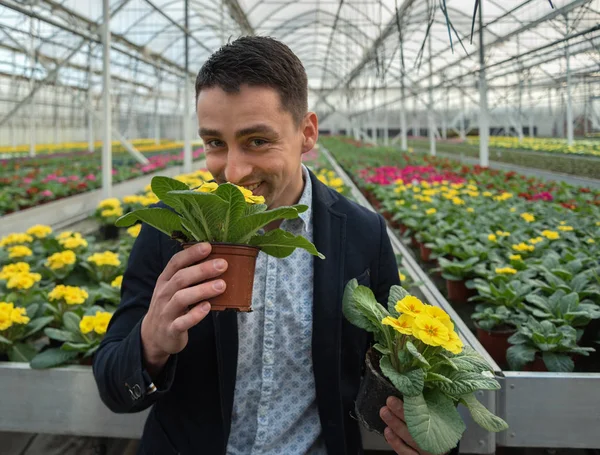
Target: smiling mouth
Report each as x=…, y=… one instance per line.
x=252, y=187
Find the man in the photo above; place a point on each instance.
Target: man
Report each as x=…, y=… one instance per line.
x=282, y=379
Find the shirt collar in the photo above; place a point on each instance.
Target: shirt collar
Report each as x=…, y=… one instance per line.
x=306, y=199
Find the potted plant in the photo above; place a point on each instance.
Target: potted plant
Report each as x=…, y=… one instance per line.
x=456, y=272
x=494, y=324
x=17, y=324
x=542, y=346
x=107, y=212
x=232, y=220
x=418, y=357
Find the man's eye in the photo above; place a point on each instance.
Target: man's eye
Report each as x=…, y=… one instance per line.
x=215, y=143
x=258, y=142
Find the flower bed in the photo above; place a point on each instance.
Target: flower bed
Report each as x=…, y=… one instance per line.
x=539, y=144
x=31, y=182
x=529, y=264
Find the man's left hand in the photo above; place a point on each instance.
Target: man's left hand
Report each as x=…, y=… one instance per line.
x=396, y=434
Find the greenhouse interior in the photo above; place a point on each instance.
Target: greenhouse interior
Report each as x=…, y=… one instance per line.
x=450, y=161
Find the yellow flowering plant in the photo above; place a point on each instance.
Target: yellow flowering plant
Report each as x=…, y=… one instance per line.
x=17, y=324
x=80, y=338
x=103, y=266
x=418, y=356
x=215, y=213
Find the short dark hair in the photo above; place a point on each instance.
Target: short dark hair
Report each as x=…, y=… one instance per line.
x=258, y=61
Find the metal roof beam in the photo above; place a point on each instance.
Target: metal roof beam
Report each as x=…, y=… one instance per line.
x=240, y=17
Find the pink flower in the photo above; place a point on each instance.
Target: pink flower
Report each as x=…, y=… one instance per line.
x=47, y=193
x=62, y=180
x=27, y=180
x=114, y=172
x=74, y=178
x=90, y=177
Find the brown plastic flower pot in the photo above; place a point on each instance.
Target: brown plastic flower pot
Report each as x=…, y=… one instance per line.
x=537, y=365
x=373, y=393
x=425, y=253
x=458, y=291
x=496, y=342
x=239, y=276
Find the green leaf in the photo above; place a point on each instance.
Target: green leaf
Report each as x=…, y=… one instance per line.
x=469, y=360
x=35, y=325
x=557, y=362
x=52, y=358
x=280, y=243
x=408, y=384
x=396, y=293
x=354, y=313
x=236, y=206
x=464, y=382
x=76, y=346
x=254, y=208
x=448, y=361
x=433, y=421
x=249, y=225
x=162, y=185
x=71, y=321
x=482, y=416
x=417, y=355
x=5, y=340
x=382, y=349
x=159, y=218
x=431, y=377
x=21, y=352
x=207, y=211
x=519, y=355
x=61, y=335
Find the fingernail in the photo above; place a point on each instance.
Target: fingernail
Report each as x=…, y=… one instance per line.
x=220, y=264
x=394, y=403
x=205, y=307
x=219, y=285
x=203, y=247
x=387, y=432
x=385, y=413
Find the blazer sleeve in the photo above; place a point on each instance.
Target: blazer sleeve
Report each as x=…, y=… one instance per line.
x=123, y=383
x=387, y=270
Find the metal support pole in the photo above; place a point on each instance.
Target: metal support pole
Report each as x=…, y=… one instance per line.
x=90, y=99
x=569, y=100
x=531, y=106
x=32, y=114
x=484, y=125
x=187, y=147
x=445, y=115
x=586, y=96
x=106, y=100
x=15, y=91
x=416, y=132
x=386, y=131
x=156, y=115
x=430, y=117
x=403, y=123
x=463, y=132
x=520, y=111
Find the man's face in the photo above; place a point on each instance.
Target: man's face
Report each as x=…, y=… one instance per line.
x=251, y=141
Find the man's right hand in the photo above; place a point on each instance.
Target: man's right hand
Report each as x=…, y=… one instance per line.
x=185, y=283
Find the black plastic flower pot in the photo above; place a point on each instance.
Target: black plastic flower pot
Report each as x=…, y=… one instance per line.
x=109, y=232
x=372, y=395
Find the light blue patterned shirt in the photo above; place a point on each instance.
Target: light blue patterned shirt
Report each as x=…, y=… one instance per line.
x=275, y=409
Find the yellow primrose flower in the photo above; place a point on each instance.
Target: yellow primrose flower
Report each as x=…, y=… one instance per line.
x=59, y=260
x=416, y=189
x=458, y=201
x=410, y=305
x=492, y=238
x=505, y=271
x=87, y=324
x=135, y=230
x=515, y=257
x=404, y=324
x=19, y=316
x=101, y=322
x=250, y=198
x=13, y=269
x=15, y=239
x=413, y=207
x=400, y=202
x=109, y=203
x=597, y=223
x=521, y=247
x=454, y=343
x=437, y=313
x=590, y=240
x=72, y=295
x=503, y=197
x=19, y=251
x=565, y=228
x=430, y=211
x=64, y=235
x=208, y=187
x=536, y=240
x=336, y=182
x=503, y=233
x=470, y=209
x=23, y=281
x=131, y=199
x=487, y=194
x=430, y=331
x=528, y=217
x=551, y=235
x=106, y=258
x=41, y=231
x=513, y=209
x=116, y=283
x=107, y=213
x=401, y=276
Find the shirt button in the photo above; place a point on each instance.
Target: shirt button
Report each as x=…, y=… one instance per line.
x=268, y=358
x=269, y=303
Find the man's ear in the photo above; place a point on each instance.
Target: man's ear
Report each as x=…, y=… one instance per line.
x=310, y=132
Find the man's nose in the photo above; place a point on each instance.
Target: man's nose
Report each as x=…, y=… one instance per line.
x=237, y=168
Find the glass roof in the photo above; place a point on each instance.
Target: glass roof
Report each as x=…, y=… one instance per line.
x=348, y=47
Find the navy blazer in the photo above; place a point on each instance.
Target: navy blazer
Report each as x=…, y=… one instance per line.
x=193, y=404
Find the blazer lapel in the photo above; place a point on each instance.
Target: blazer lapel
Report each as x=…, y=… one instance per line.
x=330, y=238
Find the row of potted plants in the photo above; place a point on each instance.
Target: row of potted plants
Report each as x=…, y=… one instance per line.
x=530, y=266
x=540, y=144
x=38, y=181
